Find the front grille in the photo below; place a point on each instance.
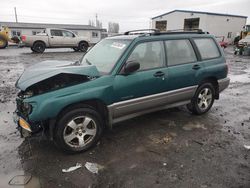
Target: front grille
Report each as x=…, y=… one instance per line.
x=20, y=107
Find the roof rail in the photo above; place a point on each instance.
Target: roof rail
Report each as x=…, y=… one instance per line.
x=142, y=31
x=182, y=31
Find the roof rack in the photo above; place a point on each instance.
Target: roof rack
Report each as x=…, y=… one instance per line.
x=158, y=32
x=142, y=31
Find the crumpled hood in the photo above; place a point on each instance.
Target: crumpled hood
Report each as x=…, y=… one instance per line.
x=47, y=69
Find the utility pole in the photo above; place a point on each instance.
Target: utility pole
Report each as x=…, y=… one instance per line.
x=96, y=18
x=15, y=15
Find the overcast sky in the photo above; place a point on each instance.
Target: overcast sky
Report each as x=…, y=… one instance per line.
x=130, y=14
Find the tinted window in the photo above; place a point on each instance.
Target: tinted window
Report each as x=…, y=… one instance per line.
x=67, y=34
x=56, y=33
x=179, y=52
x=207, y=47
x=149, y=55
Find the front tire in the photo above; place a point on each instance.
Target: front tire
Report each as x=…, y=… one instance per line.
x=83, y=46
x=203, y=99
x=79, y=129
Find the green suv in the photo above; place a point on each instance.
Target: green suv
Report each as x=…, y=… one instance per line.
x=121, y=77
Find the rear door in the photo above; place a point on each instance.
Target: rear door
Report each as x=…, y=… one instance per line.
x=184, y=69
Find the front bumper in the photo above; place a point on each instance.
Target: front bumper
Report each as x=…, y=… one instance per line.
x=223, y=84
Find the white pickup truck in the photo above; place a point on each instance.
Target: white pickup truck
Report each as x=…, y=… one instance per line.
x=55, y=38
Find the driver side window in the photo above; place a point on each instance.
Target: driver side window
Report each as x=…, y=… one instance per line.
x=150, y=55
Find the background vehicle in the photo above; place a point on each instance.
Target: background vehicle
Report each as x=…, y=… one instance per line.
x=242, y=44
x=5, y=37
x=120, y=78
x=55, y=38
x=221, y=41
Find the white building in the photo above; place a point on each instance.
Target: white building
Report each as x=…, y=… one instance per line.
x=220, y=25
x=18, y=29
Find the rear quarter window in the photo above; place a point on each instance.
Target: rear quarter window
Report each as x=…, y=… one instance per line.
x=207, y=48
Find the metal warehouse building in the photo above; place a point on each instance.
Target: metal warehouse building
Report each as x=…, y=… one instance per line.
x=220, y=25
x=18, y=29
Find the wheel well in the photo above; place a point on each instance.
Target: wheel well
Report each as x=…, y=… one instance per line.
x=38, y=41
x=95, y=104
x=83, y=41
x=214, y=82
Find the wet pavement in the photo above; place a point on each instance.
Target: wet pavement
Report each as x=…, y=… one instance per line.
x=170, y=148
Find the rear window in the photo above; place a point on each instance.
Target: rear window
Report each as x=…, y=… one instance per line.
x=207, y=48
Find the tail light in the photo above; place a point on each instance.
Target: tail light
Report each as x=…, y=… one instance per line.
x=23, y=37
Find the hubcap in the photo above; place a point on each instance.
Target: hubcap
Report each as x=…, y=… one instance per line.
x=205, y=99
x=80, y=131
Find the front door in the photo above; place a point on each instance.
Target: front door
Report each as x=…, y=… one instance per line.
x=69, y=39
x=137, y=91
x=56, y=38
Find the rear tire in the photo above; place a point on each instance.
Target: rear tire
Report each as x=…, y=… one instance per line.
x=33, y=50
x=76, y=49
x=78, y=129
x=203, y=99
x=39, y=47
x=83, y=46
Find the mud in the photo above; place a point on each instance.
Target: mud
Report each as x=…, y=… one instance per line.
x=170, y=148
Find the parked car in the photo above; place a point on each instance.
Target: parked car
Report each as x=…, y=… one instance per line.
x=120, y=78
x=55, y=38
x=222, y=42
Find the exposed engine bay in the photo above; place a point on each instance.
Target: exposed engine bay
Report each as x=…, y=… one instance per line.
x=53, y=83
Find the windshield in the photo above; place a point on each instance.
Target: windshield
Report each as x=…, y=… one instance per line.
x=105, y=54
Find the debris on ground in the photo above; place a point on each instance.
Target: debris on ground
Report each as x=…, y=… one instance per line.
x=198, y=142
x=247, y=147
x=93, y=167
x=161, y=140
x=73, y=168
x=20, y=180
x=190, y=126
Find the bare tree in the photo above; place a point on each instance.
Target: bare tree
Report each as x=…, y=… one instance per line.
x=113, y=27
x=98, y=23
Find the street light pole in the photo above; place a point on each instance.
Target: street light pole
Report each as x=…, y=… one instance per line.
x=15, y=15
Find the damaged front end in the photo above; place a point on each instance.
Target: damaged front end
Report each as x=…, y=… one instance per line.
x=42, y=78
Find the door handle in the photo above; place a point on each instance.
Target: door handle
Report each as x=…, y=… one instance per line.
x=196, y=67
x=159, y=74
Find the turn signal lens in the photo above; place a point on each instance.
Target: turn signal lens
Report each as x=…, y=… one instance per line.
x=24, y=124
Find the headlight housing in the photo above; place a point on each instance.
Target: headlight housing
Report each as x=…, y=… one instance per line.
x=27, y=108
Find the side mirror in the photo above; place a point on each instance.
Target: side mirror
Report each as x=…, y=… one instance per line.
x=130, y=67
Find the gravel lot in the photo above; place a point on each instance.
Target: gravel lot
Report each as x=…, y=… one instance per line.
x=170, y=148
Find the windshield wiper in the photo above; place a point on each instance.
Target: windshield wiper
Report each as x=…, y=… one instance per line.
x=87, y=61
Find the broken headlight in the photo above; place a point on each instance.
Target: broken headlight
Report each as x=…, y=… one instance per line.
x=27, y=108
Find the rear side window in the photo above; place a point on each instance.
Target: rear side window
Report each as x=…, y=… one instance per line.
x=207, y=48
x=56, y=33
x=179, y=52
